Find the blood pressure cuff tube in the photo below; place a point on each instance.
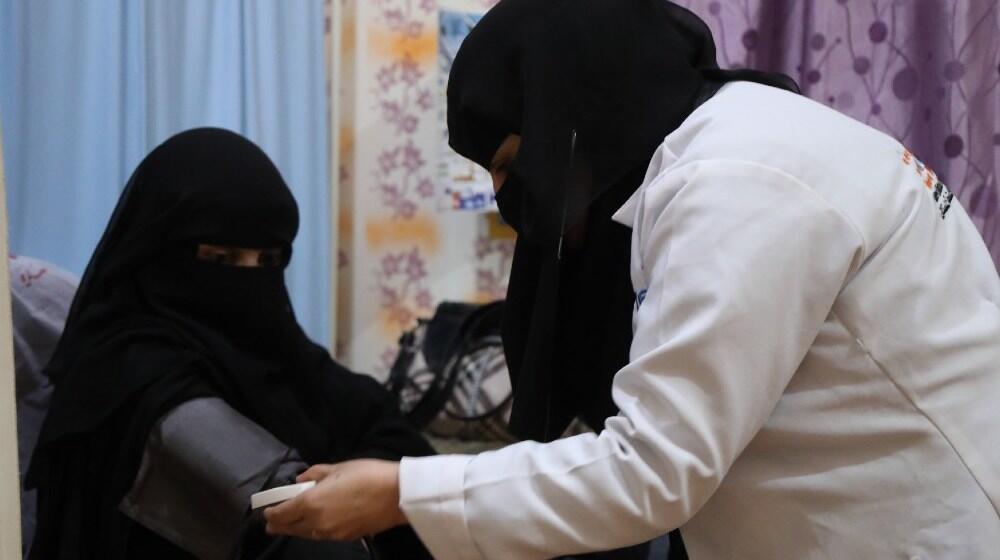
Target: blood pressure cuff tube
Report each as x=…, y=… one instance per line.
x=202, y=462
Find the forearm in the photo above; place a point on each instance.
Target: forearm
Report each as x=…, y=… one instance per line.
x=582, y=494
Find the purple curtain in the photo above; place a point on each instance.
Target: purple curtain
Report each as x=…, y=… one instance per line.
x=924, y=71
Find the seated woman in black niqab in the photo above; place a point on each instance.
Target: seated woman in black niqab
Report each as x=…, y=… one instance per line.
x=183, y=382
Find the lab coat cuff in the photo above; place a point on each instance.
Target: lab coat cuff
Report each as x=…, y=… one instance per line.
x=432, y=495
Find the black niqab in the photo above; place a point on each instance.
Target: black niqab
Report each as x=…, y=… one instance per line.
x=152, y=326
x=592, y=87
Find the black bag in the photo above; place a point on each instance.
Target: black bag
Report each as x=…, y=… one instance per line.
x=450, y=376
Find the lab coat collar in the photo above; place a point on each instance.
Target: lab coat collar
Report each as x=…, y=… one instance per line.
x=662, y=159
x=626, y=214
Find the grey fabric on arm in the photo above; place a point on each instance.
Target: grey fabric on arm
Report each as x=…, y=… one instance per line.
x=40, y=297
x=201, y=463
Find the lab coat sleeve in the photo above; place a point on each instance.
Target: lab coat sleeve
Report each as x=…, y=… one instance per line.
x=744, y=264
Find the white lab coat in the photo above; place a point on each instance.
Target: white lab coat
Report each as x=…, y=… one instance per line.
x=815, y=371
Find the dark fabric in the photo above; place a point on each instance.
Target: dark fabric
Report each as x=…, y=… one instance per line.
x=152, y=327
x=637, y=552
x=592, y=87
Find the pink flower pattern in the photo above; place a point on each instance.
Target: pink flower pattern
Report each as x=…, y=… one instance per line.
x=401, y=283
x=405, y=95
x=493, y=260
x=401, y=96
x=402, y=178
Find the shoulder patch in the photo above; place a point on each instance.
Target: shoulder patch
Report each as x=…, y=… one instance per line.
x=941, y=194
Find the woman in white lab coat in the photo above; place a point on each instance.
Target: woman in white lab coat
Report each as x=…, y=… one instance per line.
x=816, y=352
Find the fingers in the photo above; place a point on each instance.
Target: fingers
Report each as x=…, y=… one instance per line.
x=304, y=517
x=293, y=518
x=316, y=473
x=301, y=528
x=309, y=527
x=339, y=507
x=285, y=514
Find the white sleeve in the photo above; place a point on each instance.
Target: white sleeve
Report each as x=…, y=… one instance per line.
x=744, y=265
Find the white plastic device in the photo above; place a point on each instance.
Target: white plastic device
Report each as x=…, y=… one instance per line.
x=279, y=494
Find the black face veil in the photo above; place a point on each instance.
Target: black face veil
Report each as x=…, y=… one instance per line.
x=592, y=87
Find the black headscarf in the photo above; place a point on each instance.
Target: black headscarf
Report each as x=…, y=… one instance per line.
x=152, y=326
x=592, y=87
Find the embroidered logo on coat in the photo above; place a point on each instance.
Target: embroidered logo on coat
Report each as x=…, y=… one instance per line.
x=639, y=298
x=942, y=196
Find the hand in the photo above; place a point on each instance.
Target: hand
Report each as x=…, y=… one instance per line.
x=350, y=500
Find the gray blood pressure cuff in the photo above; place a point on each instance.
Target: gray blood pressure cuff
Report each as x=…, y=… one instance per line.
x=201, y=463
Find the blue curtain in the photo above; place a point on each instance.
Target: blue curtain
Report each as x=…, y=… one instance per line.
x=88, y=88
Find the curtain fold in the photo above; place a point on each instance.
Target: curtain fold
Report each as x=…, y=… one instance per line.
x=88, y=88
